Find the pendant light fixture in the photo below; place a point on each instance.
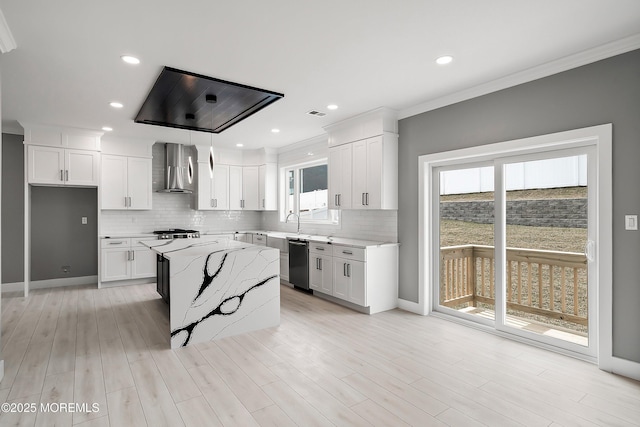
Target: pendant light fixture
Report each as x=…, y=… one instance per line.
x=211, y=99
x=190, y=164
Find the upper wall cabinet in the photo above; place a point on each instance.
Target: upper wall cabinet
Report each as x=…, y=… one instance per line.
x=61, y=137
x=213, y=187
x=59, y=156
x=363, y=162
x=59, y=166
x=126, y=183
x=240, y=180
x=375, y=173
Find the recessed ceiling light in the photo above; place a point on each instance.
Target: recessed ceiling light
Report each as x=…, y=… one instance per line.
x=107, y=128
x=116, y=104
x=443, y=60
x=275, y=130
x=239, y=145
x=130, y=59
x=332, y=107
x=310, y=153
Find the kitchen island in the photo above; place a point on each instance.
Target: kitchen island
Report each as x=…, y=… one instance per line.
x=219, y=288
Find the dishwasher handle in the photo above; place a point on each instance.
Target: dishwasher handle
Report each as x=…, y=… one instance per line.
x=297, y=243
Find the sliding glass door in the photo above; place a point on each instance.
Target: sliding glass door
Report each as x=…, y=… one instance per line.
x=516, y=238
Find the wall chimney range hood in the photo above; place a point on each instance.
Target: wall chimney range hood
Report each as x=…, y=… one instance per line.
x=175, y=171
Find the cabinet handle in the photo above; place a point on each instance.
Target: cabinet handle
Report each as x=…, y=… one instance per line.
x=129, y=201
x=116, y=243
x=363, y=203
x=133, y=255
x=344, y=269
x=61, y=175
x=348, y=270
x=66, y=175
x=320, y=264
x=347, y=252
x=262, y=203
x=128, y=255
x=210, y=203
x=335, y=199
x=367, y=198
x=215, y=203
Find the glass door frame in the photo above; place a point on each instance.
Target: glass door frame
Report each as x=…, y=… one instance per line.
x=599, y=137
x=500, y=254
x=435, y=214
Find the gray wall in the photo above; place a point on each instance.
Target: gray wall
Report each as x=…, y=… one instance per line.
x=58, y=237
x=12, y=208
x=607, y=91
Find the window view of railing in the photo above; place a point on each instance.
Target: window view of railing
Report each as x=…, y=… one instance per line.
x=548, y=286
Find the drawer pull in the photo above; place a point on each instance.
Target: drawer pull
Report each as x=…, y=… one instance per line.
x=347, y=252
x=116, y=243
x=320, y=249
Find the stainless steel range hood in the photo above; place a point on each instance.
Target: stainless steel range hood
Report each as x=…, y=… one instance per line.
x=175, y=171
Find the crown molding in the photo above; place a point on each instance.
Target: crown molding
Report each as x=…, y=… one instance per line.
x=7, y=42
x=544, y=70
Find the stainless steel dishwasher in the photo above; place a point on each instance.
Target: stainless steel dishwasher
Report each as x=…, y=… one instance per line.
x=299, y=263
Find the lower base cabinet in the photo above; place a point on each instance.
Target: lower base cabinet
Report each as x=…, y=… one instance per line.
x=349, y=281
x=126, y=259
x=367, y=277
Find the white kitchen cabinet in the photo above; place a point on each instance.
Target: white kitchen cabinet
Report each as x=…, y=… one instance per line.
x=213, y=191
x=350, y=281
x=126, y=183
x=284, y=266
x=253, y=188
x=250, y=188
x=375, y=173
x=235, y=188
x=60, y=166
x=268, y=187
x=243, y=237
x=125, y=259
x=321, y=268
x=340, y=165
x=259, y=239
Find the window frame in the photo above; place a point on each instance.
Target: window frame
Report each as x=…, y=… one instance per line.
x=333, y=216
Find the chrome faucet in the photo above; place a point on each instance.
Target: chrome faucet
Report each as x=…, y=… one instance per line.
x=297, y=216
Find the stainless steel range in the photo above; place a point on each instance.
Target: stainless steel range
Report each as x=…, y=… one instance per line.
x=177, y=233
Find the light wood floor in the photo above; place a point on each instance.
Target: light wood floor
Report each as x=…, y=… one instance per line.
x=325, y=365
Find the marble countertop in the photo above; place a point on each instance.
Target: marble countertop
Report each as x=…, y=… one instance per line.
x=358, y=243
x=192, y=247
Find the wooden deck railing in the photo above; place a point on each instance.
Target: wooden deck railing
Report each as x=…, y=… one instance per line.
x=546, y=283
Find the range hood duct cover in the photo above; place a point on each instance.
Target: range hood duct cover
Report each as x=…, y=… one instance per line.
x=174, y=170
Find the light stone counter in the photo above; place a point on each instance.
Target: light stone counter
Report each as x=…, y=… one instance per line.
x=219, y=288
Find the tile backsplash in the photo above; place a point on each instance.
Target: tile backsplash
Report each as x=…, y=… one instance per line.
x=176, y=211
x=377, y=225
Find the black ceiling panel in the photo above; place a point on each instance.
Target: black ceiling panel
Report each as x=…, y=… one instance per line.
x=178, y=93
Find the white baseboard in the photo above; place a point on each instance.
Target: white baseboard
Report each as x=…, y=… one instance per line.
x=51, y=283
x=626, y=368
x=410, y=306
x=115, y=283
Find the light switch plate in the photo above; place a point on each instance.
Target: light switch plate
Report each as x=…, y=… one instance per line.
x=84, y=220
x=631, y=222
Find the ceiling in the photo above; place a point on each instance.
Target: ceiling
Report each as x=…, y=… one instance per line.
x=359, y=55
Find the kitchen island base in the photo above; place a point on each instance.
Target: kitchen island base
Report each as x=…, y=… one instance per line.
x=220, y=288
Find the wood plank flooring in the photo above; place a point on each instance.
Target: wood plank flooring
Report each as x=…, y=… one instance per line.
x=323, y=366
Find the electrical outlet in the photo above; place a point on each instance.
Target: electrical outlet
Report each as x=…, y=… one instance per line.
x=66, y=268
x=84, y=220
